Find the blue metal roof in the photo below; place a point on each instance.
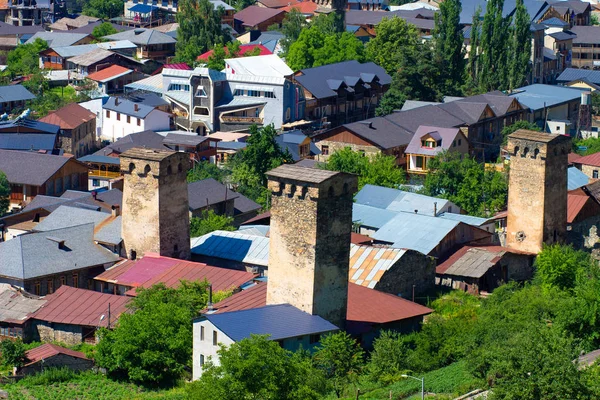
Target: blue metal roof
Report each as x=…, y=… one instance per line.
x=143, y=8
x=371, y=217
x=398, y=200
x=415, y=231
x=234, y=246
x=555, y=21
x=576, y=178
x=538, y=96
x=15, y=93
x=232, y=145
x=572, y=74
x=27, y=141
x=280, y=321
x=467, y=219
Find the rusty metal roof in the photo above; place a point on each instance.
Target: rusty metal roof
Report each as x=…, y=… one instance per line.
x=48, y=350
x=575, y=203
x=368, y=264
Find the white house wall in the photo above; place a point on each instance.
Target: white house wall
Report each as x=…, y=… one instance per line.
x=205, y=347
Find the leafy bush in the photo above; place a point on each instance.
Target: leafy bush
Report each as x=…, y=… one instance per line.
x=209, y=222
x=50, y=376
x=13, y=352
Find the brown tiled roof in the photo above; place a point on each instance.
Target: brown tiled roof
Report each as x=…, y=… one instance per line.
x=69, y=117
x=48, y=350
x=81, y=307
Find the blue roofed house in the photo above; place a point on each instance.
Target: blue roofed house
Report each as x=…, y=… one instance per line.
x=290, y=327
x=298, y=144
x=29, y=135
x=13, y=97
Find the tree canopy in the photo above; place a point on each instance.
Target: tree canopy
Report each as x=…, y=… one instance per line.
x=104, y=9
x=293, y=24
x=210, y=222
x=204, y=170
x=509, y=129
x=104, y=29
x=4, y=193
x=449, y=47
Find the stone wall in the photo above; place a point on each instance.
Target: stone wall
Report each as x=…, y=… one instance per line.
x=336, y=146
x=413, y=268
x=584, y=235
x=51, y=332
x=589, y=170
x=58, y=361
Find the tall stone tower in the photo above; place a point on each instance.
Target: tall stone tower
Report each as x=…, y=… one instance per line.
x=155, y=215
x=311, y=222
x=537, y=190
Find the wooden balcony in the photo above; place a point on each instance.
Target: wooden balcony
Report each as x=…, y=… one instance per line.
x=98, y=173
x=241, y=120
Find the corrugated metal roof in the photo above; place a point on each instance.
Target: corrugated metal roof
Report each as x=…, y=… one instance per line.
x=15, y=306
x=280, y=321
x=471, y=262
x=48, y=350
x=372, y=217
x=27, y=141
x=572, y=74
x=467, y=219
x=152, y=83
x=576, y=178
x=575, y=204
x=538, y=96
x=592, y=159
x=398, y=200
x=415, y=231
x=235, y=246
x=368, y=264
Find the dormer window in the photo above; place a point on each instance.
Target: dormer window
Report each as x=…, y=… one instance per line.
x=430, y=143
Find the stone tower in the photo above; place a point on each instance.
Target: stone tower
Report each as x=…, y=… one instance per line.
x=311, y=222
x=537, y=190
x=155, y=215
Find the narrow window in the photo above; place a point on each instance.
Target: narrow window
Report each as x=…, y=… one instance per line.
x=118, y=116
x=107, y=114
x=128, y=119
x=37, y=288
x=215, y=341
x=75, y=280
x=50, y=286
x=201, y=359
x=325, y=150
x=63, y=280
x=595, y=174
x=201, y=333
x=139, y=122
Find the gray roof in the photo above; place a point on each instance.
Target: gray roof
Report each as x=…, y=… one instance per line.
x=15, y=93
x=27, y=141
x=290, y=141
x=315, y=79
x=576, y=178
x=415, y=231
x=281, y=321
x=474, y=263
x=66, y=216
x=112, y=197
x=183, y=139
x=411, y=120
x=586, y=34
x=242, y=205
x=127, y=107
x=73, y=198
x=564, y=35
x=58, y=39
x=28, y=168
x=410, y=104
x=294, y=172
x=381, y=131
x=149, y=99
x=91, y=57
x=234, y=246
x=147, y=139
x=446, y=135
x=398, y=200
x=72, y=51
x=467, y=219
x=142, y=36
x=16, y=305
x=97, y=158
x=208, y=192
x=572, y=74
x=20, y=31
x=555, y=21
x=38, y=254
x=371, y=217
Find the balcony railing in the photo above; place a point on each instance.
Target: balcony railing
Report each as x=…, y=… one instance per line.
x=103, y=174
x=242, y=120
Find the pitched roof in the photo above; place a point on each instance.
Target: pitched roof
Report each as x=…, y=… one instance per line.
x=315, y=80
x=280, y=321
x=365, y=306
x=70, y=116
x=245, y=48
x=15, y=93
x=538, y=96
x=305, y=7
x=58, y=39
x=48, y=350
x=264, y=66
x=591, y=159
x=27, y=141
x=445, y=135
x=28, y=168
x=274, y=3
x=128, y=107
x=207, y=192
x=372, y=217
x=398, y=200
x=142, y=36
x=411, y=120
x=576, y=178
x=308, y=175
x=235, y=246
x=242, y=205
x=74, y=198
x=91, y=57
x=147, y=139
x=16, y=305
x=474, y=261
x=66, y=23
x=41, y=253
x=575, y=203
x=68, y=305
x=290, y=141
x=380, y=131
x=110, y=73
x=368, y=264
x=254, y=15
x=571, y=74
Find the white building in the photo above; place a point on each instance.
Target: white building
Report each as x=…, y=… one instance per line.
x=122, y=117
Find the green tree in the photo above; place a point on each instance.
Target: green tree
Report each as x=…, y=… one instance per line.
x=24, y=61
x=258, y=368
x=199, y=29
x=509, y=129
x=12, y=352
x=216, y=60
x=494, y=48
x=292, y=26
x=340, y=358
x=474, y=53
x=475, y=189
x=388, y=359
x=4, y=193
x=152, y=343
x=104, y=29
x=520, y=47
x=210, y=222
x=204, y=170
x=239, y=5
x=379, y=169
x=449, y=47
x=104, y=9
x=561, y=266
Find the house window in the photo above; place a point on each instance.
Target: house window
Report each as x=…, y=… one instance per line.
x=288, y=113
x=201, y=359
x=107, y=114
x=139, y=122
x=253, y=93
x=238, y=92
x=269, y=95
x=179, y=87
x=419, y=162
x=304, y=150
x=128, y=119
x=118, y=116
x=36, y=290
x=215, y=341
x=95, y=182
x=459, y=142
x=325, y=150
x=90, y=284
x=75, y=280
x=595, y=174
x=315, y=338
x=50, y=286
x=63, y=280
x=201, y=333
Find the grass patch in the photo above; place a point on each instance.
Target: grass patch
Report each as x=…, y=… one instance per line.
x=59, y=384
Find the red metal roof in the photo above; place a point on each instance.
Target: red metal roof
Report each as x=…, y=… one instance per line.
x=81, y=307
x=575, y=203
x=305, y=7
x=592, y=159
x=264, y=217
x=245, y=48
x=69, y=117
x=365, y=306
x=182, y=66
x=48, y=350
x=113, y=273
x=221, y=278
x=359, y=239
x=573, y=157
x=107, y=73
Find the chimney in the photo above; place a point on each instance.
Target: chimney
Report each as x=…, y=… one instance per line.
x=94, y=194
x=136, y=107
x=60, y=242
x=209, y=304
x=435, y=208
x=116, y=210
x=116, y=101
x=416, y=211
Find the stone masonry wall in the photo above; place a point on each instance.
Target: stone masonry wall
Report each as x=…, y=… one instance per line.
x=413, y=268
x=49, y=332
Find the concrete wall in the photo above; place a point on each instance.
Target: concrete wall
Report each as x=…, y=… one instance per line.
x=114, y=129
x=310, y=245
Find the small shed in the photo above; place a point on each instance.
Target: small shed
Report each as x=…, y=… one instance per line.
x=52, y=356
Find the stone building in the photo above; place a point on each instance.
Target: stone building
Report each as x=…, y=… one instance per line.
x=537, y=190
x=311, y=222
x=155, y=203
x=50, y=355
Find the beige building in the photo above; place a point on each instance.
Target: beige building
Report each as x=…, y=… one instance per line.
x=155, y=203
x=77, y=129
x=537, y=191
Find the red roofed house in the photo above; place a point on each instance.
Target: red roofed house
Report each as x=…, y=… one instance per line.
x=583, y=216
x=114, y=78
x=589, y=165
x=258, y=18
x=245, y=48
x=77, y=128
x=306, y=8
x=72, y=316
x=151, y=269
x=52, y=356
x=369, y=311
x=483, y=268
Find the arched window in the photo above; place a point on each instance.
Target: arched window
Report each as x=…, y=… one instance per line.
x=179, y=167
x=536, y=152
x=147, y=169
x=131, y=167
x=169, y=170
x=525, y=151
x=331, y=191
x=516, y=150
